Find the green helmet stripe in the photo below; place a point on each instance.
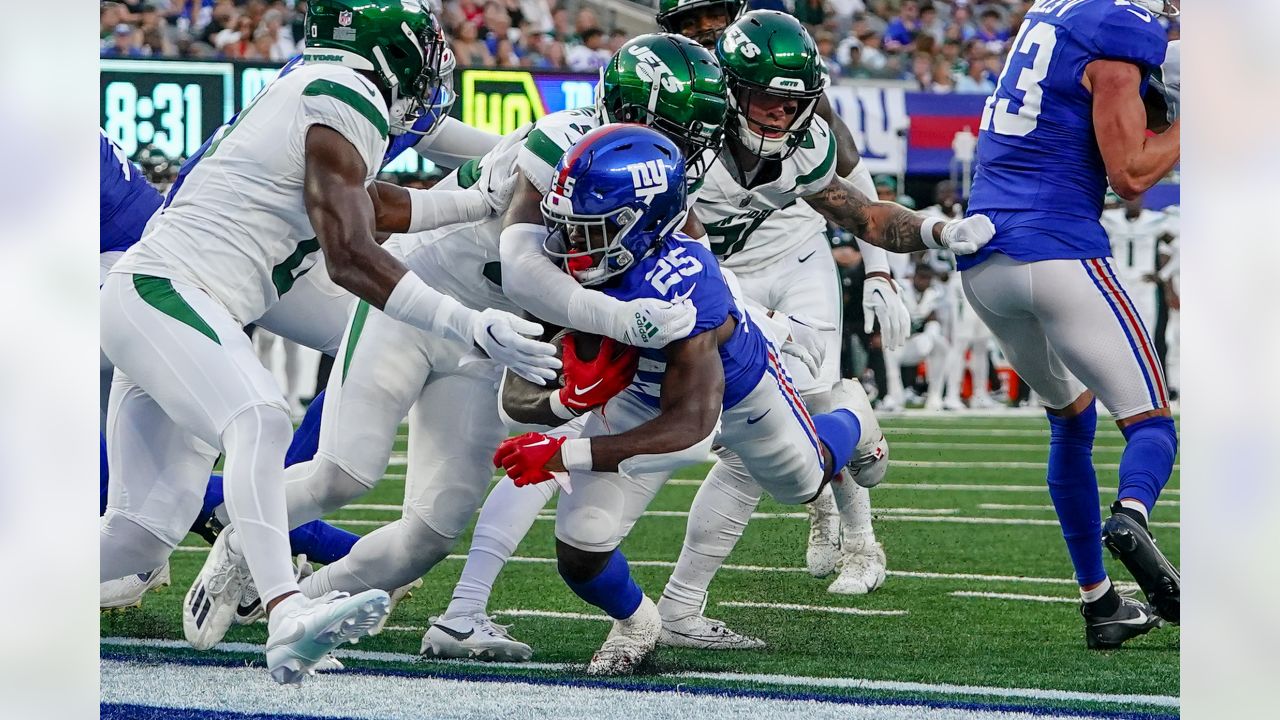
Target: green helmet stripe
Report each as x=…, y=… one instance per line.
x=823, y=168
x=539, y=144
x=345, y=94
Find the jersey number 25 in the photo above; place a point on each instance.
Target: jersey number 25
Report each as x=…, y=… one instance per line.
x=1033, y=50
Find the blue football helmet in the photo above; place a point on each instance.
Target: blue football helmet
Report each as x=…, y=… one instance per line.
x=615, y=196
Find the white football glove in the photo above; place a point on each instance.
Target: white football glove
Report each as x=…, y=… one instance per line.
x=882, y=299
x=967, y=236
x=807, y=341
x=498, y=177
x=652, y=323
x=502, y=336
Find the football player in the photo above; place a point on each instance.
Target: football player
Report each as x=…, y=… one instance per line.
x=299, y=162
x=1067, y=118
x=615, y=202
x=388, y=369
x=757, y=243
x=927, y=300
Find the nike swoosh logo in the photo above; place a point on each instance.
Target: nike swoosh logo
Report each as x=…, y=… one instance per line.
x=543, y=441
x=686, y=296
x=587, y=389
x=455, y=634
x=806, y=257
x=1143, y=15
x=490, y=331
x=754, y=420
x=246, y=610
x=1142, y=619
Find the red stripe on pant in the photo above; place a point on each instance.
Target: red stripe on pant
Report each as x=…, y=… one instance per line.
x=1135, y=327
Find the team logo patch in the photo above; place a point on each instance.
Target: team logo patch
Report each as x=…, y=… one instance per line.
x=344, y=18
x=649, y=178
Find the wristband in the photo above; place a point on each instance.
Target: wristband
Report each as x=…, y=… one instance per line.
x=576, y=454
x=415, y=303
x=559, y=409
x=926, y=234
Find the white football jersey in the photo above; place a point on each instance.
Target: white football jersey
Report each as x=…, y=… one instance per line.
x=748, y=228
x=923, y=304
x=1134, y=243
x=238, y=227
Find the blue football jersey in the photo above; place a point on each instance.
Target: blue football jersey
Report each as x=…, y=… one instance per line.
x=1040, y=176
x=684, y=268
x=126, y=200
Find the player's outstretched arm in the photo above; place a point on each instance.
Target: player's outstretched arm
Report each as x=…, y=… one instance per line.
x=342, y=214
x=895, y=228
x=1134, y=162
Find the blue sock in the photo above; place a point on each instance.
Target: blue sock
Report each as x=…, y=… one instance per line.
x=306, y=439
x=612, y=590
x=1073, y=486
x=1147, y=461
x=104, y=474
x=321, y=542
x=212, y=499
x=839, y=430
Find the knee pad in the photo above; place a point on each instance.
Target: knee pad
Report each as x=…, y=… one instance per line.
x=579, y=566
x=449, y=499
x=128, y=546
x=330, y=486
x=848, y=394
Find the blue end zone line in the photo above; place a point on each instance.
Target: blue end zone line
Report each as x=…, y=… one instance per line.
x=632, y=687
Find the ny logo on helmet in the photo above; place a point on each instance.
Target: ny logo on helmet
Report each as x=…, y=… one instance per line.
x=650, y=68
x=649, y=178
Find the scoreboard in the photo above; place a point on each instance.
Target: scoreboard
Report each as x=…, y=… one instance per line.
x=175, y=105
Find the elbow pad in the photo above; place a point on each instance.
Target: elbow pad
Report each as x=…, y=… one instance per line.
x=668, y=462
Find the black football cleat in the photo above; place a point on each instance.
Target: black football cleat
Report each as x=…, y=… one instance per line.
x=1131, y=619
x=1131, y=543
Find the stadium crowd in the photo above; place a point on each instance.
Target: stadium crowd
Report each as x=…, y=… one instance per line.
x=939, y=45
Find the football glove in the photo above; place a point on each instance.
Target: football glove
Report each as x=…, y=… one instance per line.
x=967, y=236
x=881, y=300
x=591, y=383
x=652, y=323
x=525, y=457
x=807, y=341
x=501, y=336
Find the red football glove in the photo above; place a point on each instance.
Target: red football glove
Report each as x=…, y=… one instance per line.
x=525, y=457
x=590, y=384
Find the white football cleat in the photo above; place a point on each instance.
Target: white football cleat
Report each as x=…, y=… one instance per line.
x=953, y=404
x=861, y=568
x=472, y=637
x=630, y=642
x=397, y=595
x=250, y=610
x=933, y=403
x=307, y=630
x=823, y=551
x=704, y=633
x=128, y=591
x=210, y=606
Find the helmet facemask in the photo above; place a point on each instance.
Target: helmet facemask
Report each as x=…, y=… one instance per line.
x=431, y=94
x=590, y=247
x=700, y=144
x=766, y=137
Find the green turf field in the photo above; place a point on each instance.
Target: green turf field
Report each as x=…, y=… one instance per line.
x=979, y=596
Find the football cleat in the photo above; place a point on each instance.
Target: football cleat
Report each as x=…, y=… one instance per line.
x=128, y=591
x=301, y=639
x=472, y=637
x=862, y=567
x=1133, y=545
x=250, y=610
x=397, y=595
x=211, y=603
x=823, y=551
x=1131, y=619
x=703, y=633
x=630, y=642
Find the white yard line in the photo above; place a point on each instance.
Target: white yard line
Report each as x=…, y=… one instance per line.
x=1000, y=506
x=1016, y=447
x=983, y=465
x=1015, y=596
x=812, y=608
x=979, y=487
x=893, y=430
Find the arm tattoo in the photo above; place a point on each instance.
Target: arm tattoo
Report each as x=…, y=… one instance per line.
x=884, y=224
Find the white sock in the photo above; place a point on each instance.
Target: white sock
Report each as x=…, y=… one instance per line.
x=720, y=512
x=506, y=517
x=854, y=503
x=1097, y=592
x=255, y=443
x=1136, y=506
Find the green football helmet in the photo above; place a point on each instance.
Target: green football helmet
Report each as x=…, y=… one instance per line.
x=768, y=59
x=398, y=41
x=686, y=17
x=673, y=85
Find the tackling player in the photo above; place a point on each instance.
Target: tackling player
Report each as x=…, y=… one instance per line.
x=188, y=385
x=1068, y=117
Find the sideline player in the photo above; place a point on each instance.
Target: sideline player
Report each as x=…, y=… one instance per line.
x=1135, y=234
x=1068, y=117
x=722, y=385
x=188, y=386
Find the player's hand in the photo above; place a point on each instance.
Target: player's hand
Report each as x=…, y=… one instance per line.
x=496, y=191
x=653, y=323
x=590, y=384
x=967, y=236
x=882, y=300
x=807, y=341
x=530, y=458
x=502, y=336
